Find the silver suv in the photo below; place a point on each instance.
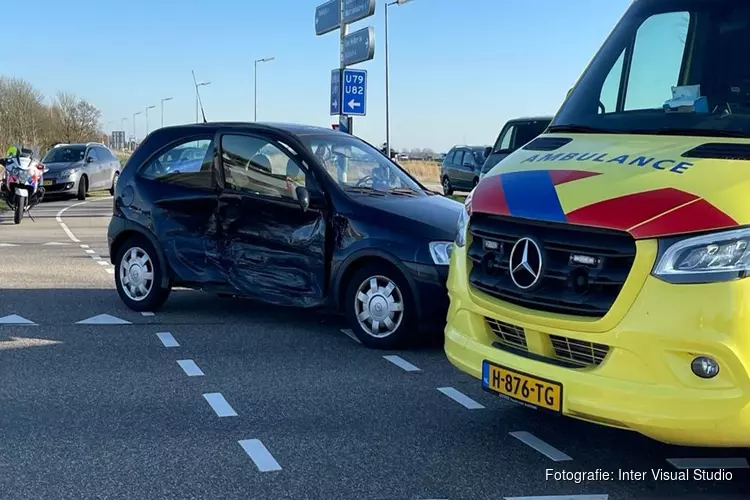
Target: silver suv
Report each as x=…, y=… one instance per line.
x=77, y=169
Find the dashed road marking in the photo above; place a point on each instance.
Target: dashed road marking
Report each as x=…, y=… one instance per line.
x=402, y=363
x=545, y=449
x=89, y=251
x=8, y=245
x=709, y=463
x=219, y=404
x=167, y=339
x=15, y=319
x=350, y=334
x=260, y=455
x=110, y=271
x=147, y=313
x=190, y=368
x=84, y=246
x=23, y=342
x=102, y=262
x=460, y=398
x=55, y=244
x=562, y=497
x=103, y=319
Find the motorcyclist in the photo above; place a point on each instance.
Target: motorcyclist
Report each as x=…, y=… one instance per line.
x=13, y=152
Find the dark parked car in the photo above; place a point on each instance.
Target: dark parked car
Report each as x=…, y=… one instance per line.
x=287, y=214
x=461, y=168
x=77, y=169
x=514, y=135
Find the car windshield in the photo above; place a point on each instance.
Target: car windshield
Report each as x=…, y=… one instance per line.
x=67, y=154
x=669, y=67
x=354, y=164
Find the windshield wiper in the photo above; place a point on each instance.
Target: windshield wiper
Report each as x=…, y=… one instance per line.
x=693, y=132
x=581, y=129
x=404, y=191
x=364, y=190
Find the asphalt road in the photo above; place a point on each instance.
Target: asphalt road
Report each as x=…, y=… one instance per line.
x=224, y=398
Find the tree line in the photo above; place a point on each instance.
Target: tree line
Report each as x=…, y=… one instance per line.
x=28, y=119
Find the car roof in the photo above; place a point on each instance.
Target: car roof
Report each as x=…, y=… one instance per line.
x=291, y=128
x=531, y=119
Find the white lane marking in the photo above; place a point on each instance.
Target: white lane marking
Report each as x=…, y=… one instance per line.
x=260, y=455
x=103, y=263
x=24, y=342
x=65, y=227
x=460, y=398
x=402, y=363
x=219, y=404
x=545, y=449
x=8, y=245
x=709, y=463
x=55, y=244
x=561, y=497
x=146, y=313
x=350, y=334
x=95, y=257
x=110, y=271
x=90, y=251
x=69, y=232
x=167, y=339
x=103, y=319
x=84, y=246
x=15, y=319
x=190, y=368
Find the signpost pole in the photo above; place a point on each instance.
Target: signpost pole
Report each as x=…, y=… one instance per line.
x=345, y=122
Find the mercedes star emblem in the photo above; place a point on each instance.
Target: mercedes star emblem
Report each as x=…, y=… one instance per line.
x=525, y=263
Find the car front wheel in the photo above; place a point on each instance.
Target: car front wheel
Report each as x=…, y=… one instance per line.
x=138, y=276
x=380, y=307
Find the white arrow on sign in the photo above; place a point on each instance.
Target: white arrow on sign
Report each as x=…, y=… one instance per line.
x=354, y=104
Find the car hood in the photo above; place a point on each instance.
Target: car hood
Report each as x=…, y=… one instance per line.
x=55, y=167
x=437, y=215
x=649, y=186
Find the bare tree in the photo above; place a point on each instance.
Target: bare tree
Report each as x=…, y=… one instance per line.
x=78, y=120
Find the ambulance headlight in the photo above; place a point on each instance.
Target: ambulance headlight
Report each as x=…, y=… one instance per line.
x=711, y=258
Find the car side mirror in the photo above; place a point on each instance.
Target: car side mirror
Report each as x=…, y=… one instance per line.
x=89, y=160
x=487, y=152
x=303, y=197
x=45, y=170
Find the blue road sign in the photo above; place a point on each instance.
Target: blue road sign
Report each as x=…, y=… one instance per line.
x=354, y=96
x=359, y=46
x=355, y=10
x=335, y=91
x=327, y=17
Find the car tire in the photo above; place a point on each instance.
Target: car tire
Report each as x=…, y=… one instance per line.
x=391, y=287
x=447, y=187
x=148, y=273
x=114, y=183
x=82, y=188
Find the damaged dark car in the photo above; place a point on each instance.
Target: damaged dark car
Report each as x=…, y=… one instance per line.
x=287, y=214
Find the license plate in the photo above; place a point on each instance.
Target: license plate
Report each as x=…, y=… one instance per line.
x=521, y=387
x=47, y=183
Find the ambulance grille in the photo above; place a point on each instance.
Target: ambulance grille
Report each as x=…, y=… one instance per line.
x=584, y=268
x=579, y=351
x=511, y=335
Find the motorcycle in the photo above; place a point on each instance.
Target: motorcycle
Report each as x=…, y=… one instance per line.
x=22, y=187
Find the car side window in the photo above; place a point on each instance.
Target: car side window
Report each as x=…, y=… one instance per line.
x=459, y=158
x=173, y=167
x=103, y=154
x=449, y=157
x=255, y=166
x=505, y=141
x=92, y=154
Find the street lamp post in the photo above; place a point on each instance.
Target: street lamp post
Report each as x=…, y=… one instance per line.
x=135, y=137
x=147, y=108
x=197, y=98
x=265, y=59
x=387, y=80
x=162, y=109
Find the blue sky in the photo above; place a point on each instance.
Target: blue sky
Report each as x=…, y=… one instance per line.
x=459, y=68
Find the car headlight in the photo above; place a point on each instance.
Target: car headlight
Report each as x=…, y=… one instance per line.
x=710, y=258
x=441, y=252
x=463, y=221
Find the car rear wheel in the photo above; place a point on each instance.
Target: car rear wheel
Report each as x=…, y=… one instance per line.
x=138, y=276
x=447, y=188
x=380, y=307
x=82, y=188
